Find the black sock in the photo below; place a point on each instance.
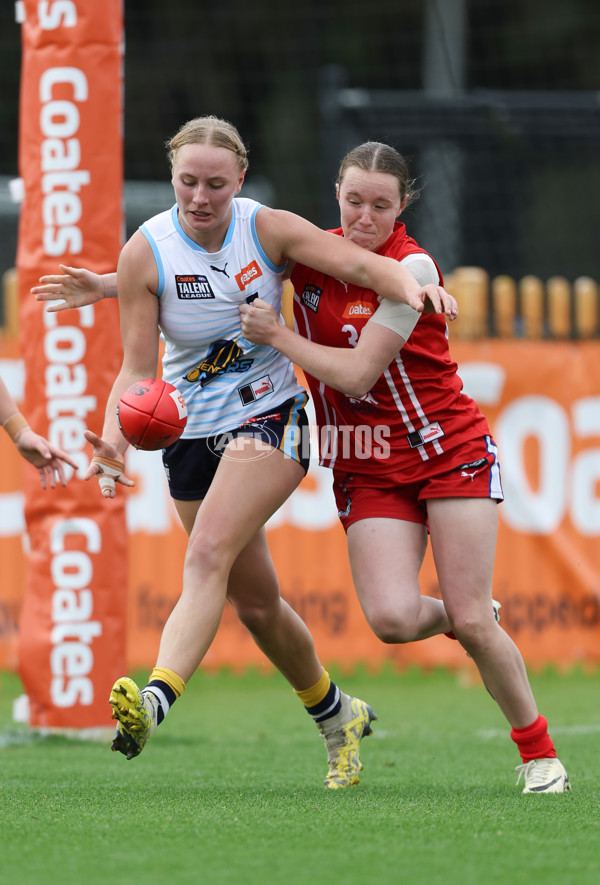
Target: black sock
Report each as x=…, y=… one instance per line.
x=328, y=707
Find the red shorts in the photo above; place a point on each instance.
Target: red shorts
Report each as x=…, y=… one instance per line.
x=470, y=471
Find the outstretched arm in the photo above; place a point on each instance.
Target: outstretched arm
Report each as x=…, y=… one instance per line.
x=352, y=371
x=47, y=458
x=74, y=287
x=285, y=236
x=138, y=309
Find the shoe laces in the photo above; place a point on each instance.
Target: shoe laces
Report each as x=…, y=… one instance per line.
x=536, y=772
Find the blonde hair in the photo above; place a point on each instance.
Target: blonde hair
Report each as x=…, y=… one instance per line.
x=209, y=130
x=374, y=156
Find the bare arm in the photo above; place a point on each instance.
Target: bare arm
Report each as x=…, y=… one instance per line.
x=287, y=236
x=352, y=371
x=45, y=457
x=138, y=307
x=74, y=287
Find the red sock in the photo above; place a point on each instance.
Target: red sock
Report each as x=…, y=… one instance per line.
x=533, y=741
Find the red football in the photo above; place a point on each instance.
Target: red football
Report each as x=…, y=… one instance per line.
x=152, y=414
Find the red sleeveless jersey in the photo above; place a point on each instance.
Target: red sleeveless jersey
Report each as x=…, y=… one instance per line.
x=415, y=412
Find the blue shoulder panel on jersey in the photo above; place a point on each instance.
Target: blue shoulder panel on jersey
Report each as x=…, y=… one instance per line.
x=274, y=267
x=159, y=265
x=231, y=228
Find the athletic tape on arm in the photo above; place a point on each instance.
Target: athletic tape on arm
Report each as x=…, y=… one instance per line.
x=15, y=425
x=395, y=315
x=398, y=317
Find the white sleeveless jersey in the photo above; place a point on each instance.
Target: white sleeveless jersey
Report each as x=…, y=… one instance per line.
x=225, y=380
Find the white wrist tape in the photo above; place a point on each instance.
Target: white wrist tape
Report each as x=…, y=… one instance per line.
x=398, y=317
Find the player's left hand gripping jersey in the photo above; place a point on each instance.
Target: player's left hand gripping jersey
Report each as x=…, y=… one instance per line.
x=415, y=411
x=224, y=379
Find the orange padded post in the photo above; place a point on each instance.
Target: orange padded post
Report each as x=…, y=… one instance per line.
x=469, y=285
x=504, y=305
x=532, y=307
x=559, y=307
x=586, y=307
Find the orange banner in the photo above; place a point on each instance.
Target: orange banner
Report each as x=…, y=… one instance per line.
x=72, y=624
x=543, y=403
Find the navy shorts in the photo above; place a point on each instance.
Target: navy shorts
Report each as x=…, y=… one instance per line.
x=190, y=464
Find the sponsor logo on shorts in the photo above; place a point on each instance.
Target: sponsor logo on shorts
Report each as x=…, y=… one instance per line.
x=249, y=393
x=358, y=309
x=193, y=286
x=272, y=416
x=473, y=465
x=311, y=297
x=224, y=356
x=470, y=471
x=247, y=275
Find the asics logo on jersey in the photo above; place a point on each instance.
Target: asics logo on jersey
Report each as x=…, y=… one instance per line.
x=311, y=297
x=220, y=269
x=358, y=309
x=247, y=274
x=192, y=285
x=223, y=356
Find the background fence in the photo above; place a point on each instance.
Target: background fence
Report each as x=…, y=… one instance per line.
x=494, y=102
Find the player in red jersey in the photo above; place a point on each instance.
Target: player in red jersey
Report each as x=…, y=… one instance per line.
x=410, y=452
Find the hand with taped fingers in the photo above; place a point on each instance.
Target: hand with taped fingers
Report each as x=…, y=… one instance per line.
x=107, y=464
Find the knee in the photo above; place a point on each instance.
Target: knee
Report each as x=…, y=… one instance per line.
x=256, y=616
x=390, y=628
x=207, y=553
x=472, y=632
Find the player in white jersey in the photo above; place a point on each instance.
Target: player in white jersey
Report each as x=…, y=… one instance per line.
x=185, y=273
x=224, y=380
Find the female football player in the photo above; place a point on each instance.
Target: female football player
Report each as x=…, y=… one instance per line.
x=422, y=458
x=184, y=274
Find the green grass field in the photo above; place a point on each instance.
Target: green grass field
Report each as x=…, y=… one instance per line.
x=229, y=790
